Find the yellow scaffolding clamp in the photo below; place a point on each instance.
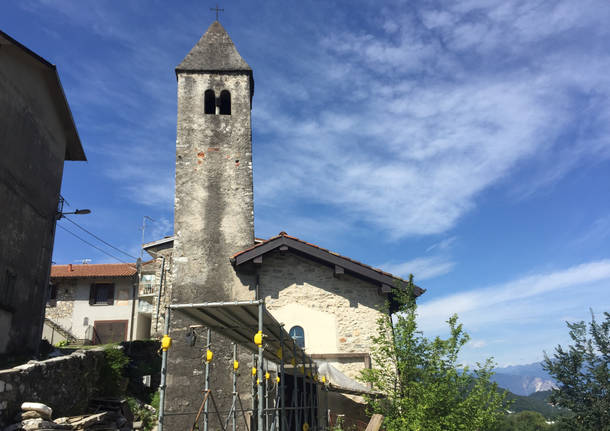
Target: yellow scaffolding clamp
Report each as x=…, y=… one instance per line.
x=258, y=338
x=166, y=343
x=209, y=355
x=235, y=365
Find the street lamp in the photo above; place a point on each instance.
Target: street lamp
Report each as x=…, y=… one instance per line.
x=60, y=211
x=61, y=214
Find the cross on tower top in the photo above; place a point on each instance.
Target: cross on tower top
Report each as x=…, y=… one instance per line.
x=217, y=10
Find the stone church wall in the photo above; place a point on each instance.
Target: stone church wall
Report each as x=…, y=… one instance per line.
x=343, y=311
x=213, y=218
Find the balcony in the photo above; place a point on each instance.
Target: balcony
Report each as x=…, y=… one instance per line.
x=144, y=307
x=146, y=290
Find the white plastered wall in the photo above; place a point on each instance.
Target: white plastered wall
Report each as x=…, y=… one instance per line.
x=120, y=310
x=320, y=328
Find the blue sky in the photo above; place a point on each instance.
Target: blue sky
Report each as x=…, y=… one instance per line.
x=466, y=142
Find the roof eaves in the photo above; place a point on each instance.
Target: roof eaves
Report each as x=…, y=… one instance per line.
x=333, y=258
x=74, y=148
x=158, y=242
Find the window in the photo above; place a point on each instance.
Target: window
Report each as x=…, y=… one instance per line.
x=101, y=294
x=298, y=335
x=209, y=102
x=225, y=103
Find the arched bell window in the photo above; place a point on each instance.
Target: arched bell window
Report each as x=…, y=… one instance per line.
x=225, y=103
x=298, y=335
x=209, y=102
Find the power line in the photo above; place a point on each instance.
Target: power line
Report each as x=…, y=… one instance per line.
x=92, y=245
x=98, y=238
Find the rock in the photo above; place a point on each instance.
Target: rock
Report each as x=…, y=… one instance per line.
x=45, y=411
x=40, y=424
x=137, y=425
x=31, y=414
x=90, y=420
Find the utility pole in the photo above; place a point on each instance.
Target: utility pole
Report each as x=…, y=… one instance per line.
x=135, y=289
x=143, y=229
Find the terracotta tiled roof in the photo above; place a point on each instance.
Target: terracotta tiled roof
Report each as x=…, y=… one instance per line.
x=93, y=270
x=282, y=234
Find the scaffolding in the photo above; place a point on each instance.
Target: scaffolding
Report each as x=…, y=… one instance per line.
x=250, y=325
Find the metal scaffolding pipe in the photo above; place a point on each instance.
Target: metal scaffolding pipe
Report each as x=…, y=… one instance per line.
x=215, y=304
x=207, y=380
x=304, y=402
x=294, y=389
x=266, y=397
x=163, y=385
x=283, y=423
x=253, y=384
x=234, y=425
x=261, y=307
x=311, y=397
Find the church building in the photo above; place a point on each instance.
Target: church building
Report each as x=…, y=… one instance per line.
x=327, y=302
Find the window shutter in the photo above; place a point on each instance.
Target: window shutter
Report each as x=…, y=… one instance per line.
x=110, y=294
x=92, y=294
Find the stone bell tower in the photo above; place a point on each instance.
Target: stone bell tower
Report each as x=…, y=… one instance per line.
x=214, y=208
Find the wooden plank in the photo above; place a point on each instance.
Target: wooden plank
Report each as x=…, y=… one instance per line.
x=375, y=423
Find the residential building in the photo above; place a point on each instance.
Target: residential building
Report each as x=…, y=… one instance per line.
x=97, y=303
x=37, y=134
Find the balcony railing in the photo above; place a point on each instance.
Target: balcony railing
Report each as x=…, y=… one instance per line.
x=147, y=289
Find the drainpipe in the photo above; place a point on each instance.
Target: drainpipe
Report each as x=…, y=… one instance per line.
x=159, y=294
x=163, y=385
x=134, y=298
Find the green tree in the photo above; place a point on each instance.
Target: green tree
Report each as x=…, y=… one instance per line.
x=524, y=421
x=583, y=374
x=421, y=383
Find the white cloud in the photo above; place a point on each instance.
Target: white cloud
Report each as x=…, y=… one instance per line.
x=522, y=300
x=422, y=268
x=443, y=245
x=398, y=124
x=477, y=344
x=412, y=131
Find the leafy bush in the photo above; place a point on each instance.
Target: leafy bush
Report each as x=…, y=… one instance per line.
x=155, y=400
x=62, y=343
x=112, y=381
x=141, y=413
x=423, y=386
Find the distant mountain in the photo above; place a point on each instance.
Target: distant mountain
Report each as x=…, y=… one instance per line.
x=524, y=379
x=537, y=402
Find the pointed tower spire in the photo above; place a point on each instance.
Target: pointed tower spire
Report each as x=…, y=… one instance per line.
x=215, y=52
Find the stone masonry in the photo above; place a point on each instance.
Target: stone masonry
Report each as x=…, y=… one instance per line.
x=357, y=305
x=63, y=305
x=213, y=210
x=65, y=384
x=163, y=281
